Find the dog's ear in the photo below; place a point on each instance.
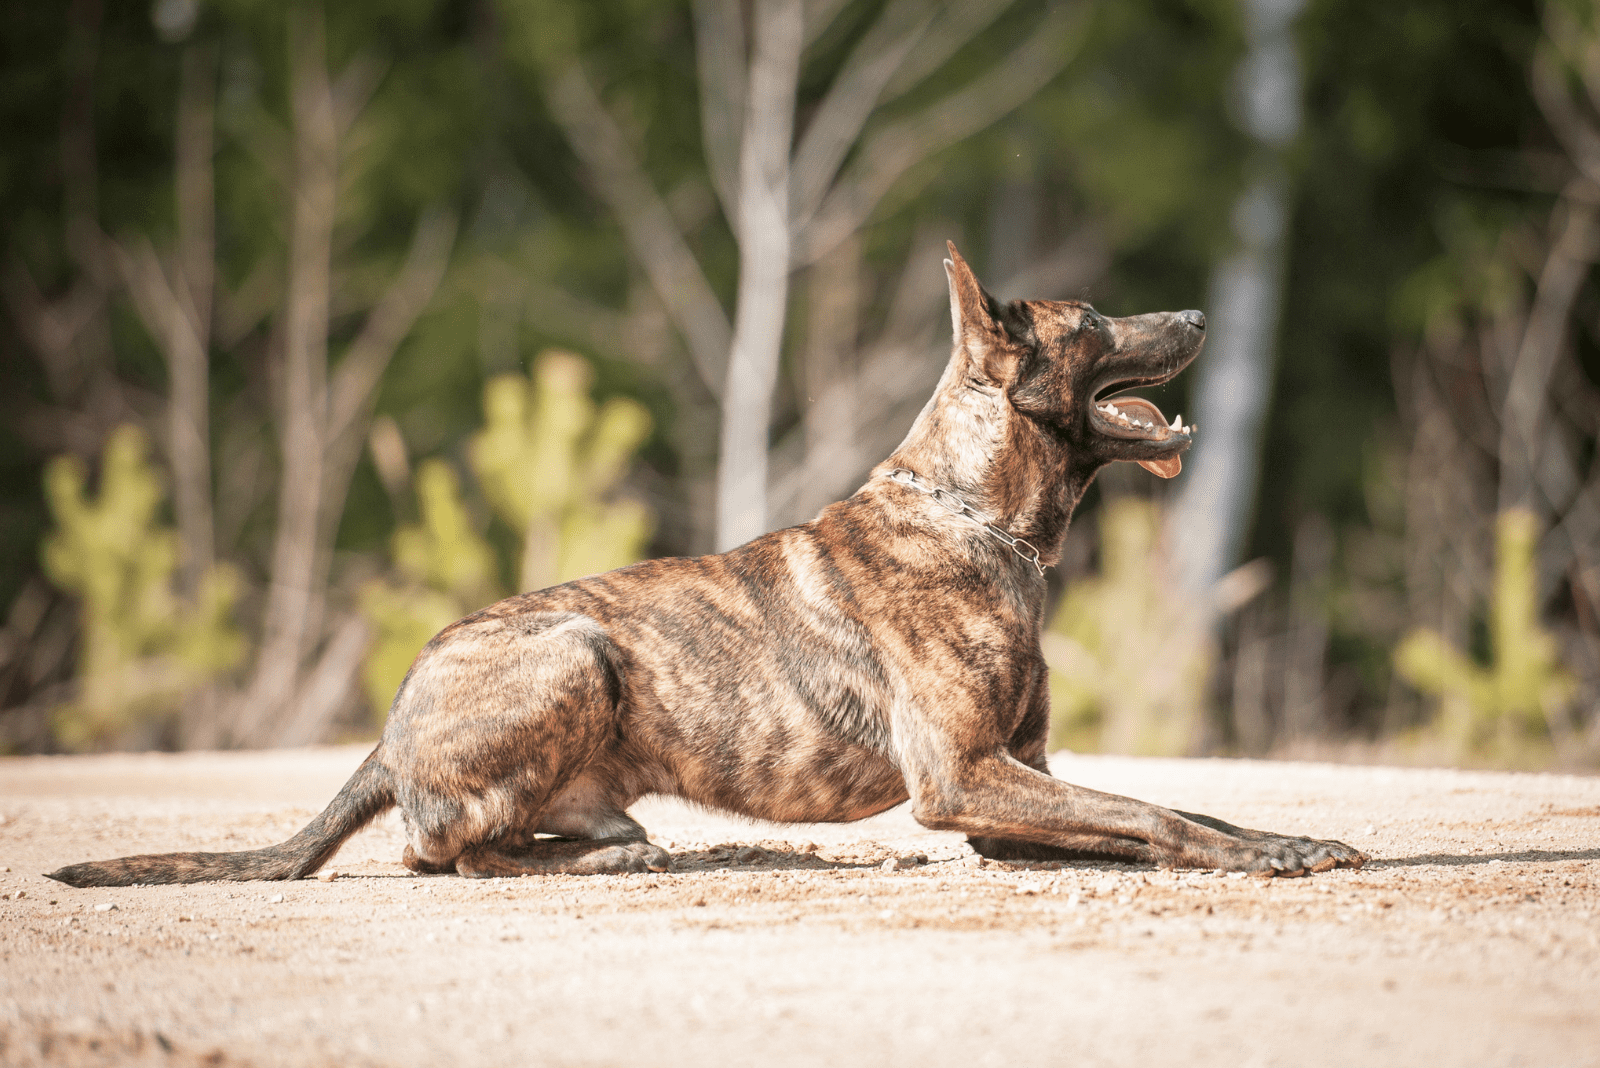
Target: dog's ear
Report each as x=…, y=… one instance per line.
x=978, y=322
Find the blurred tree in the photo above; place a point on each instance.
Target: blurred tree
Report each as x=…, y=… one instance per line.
x=789, y=197
x=547, y=459
x=1128, y=657
x=1505, y=709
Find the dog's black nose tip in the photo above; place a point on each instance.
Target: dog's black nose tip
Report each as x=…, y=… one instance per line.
x=1194, y=318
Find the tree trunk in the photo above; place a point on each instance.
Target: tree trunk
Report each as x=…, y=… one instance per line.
x=762, y=227
x=1211, y=514
x=293, y=618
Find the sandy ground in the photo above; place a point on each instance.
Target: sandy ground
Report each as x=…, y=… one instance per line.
x=1473, y=937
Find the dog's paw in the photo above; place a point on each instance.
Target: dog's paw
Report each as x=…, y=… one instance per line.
x=629, y=857
x=1283, y=856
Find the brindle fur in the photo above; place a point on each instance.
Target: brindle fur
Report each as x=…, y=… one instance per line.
x=887, y=650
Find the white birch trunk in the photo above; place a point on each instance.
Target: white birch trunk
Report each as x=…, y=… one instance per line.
x=762, y=228
x=1233, y=382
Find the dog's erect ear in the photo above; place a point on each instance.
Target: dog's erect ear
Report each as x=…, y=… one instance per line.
x=975, y=318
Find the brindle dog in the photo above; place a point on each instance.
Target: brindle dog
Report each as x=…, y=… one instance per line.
x=887, y=650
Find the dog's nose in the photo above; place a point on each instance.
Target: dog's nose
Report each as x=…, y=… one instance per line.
x=1194, y=318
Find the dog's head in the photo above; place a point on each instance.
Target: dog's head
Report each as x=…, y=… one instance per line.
x=1058, y=364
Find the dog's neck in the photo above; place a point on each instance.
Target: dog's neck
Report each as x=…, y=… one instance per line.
x=970, y=441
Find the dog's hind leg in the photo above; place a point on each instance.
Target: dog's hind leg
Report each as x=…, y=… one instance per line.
x=593, y=836
x=564, y=856
x=499, y=721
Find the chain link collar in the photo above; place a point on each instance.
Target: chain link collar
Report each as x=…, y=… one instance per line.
x=962, y=508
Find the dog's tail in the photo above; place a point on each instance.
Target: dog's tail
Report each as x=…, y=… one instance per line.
x=368, y=794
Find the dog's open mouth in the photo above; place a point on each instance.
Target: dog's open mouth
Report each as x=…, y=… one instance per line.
x=1136, y=419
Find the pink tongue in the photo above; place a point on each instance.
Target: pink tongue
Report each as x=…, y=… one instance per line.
x=1165, y=468
x=1171, y=465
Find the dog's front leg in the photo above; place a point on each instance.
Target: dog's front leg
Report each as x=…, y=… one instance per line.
x=995, y=797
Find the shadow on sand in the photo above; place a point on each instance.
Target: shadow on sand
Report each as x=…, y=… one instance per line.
x=1456, y=860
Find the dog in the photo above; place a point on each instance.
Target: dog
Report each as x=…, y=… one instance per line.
x=886, y=651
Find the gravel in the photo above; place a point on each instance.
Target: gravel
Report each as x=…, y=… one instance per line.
x=1473, y=937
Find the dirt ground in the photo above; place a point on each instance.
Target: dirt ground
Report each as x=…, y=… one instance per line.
x=1473, y=937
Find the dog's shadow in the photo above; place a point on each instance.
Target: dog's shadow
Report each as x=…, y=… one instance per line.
x=1457, y=860
x=754, y=858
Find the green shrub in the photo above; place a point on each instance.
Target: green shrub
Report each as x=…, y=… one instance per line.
x=1498, y=710
x=142, y=647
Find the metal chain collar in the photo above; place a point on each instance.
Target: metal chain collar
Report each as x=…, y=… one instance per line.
x=962, y=508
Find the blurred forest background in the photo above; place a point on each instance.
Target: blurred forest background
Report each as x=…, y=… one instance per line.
x=321, y=326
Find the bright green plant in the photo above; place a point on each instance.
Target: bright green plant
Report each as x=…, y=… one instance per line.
x=142, y=647
x=1501, y=709
x=546, y=461
x=1128, y=659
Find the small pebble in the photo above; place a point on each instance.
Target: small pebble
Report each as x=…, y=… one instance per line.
x=892, y=864
x=327, y=875
x=275, y=899
x=20, y=894
x=749, y=855
x=107, y=907
x=1371, y=829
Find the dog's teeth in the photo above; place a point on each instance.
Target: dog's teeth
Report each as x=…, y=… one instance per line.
x=1177, y=423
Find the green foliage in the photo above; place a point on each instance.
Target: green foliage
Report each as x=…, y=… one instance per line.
x=1498, y=710
x=546, y=461
x=444, y=551
x=1128, y=659
x=141, y=646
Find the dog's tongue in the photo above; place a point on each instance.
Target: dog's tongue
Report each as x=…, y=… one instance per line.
x=1167, y=467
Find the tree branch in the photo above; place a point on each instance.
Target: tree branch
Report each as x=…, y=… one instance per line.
x=899, y=146
x=957, y=23
x=719, y=46
x=1575, y=133
x=1559, y=283
x=292, y=621
x=850, y=101
x=647, y=225
x=170, y=320
x=356, y=379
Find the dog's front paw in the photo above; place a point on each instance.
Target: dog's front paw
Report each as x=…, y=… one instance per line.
x=1284, y=856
